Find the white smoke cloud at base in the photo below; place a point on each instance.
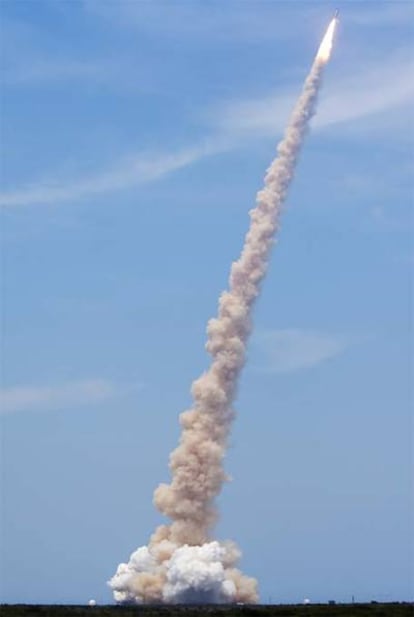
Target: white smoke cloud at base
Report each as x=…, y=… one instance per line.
x=183, y=575
x=182, y=564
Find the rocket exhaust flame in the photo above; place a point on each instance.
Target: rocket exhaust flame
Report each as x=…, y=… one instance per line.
x=181, y=562
x=325, y=48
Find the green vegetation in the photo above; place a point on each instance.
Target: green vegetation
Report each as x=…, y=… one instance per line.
x=401, y=609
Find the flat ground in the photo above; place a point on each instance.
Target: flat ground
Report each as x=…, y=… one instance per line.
x=373, y=609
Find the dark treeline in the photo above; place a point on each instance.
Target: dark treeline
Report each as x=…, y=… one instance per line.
x=374, y=609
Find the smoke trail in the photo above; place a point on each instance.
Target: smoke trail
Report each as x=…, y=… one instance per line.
x=181, y=563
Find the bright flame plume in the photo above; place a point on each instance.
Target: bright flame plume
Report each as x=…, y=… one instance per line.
x=325, y=47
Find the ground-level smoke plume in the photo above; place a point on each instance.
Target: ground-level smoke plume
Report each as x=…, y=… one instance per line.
x=182, y=563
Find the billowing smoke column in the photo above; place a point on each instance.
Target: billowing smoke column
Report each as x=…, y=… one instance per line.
x=182, y=564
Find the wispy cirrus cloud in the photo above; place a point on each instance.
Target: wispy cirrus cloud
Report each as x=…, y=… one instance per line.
x=392, y=219
x=380, y=14
x=241, y=21
x=365, y=91
x=292, y=349
x=130, y=172
x=355, y=97
x=32, y=56
x=200, y=21
x=38, y=71
x=56, y=397
x=369, y=96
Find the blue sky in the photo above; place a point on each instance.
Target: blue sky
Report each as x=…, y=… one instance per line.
x=136, y=135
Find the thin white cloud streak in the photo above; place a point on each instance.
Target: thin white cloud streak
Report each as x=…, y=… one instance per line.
x=56, y=397
x=201, y=22
x=289, y=350
x=134, y=172
x=372, y=93
x=390, y=220
x=380, y=14
x=26, y=67
x=366, y=91
x=233, y=20
x=30, y=69
x=52, y=70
